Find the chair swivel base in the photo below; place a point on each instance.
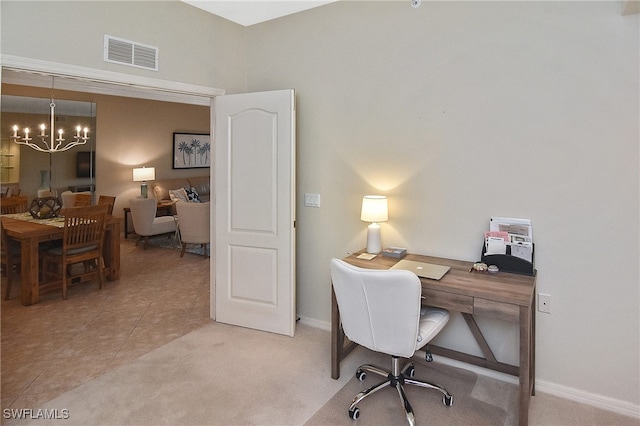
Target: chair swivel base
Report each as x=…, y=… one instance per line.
x=396, y=378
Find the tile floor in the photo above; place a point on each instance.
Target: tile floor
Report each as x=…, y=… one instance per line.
x=56, y=345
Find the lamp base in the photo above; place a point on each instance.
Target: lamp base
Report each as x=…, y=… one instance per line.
x=374, y=240
x=144, y=192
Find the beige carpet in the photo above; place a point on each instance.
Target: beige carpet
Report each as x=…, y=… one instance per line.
x=223, y=375
x=477, y=401
x=216, y=375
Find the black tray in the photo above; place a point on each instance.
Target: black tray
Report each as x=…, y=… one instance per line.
x=508, y=263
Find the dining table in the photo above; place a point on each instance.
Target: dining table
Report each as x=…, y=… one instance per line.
x=31, y=232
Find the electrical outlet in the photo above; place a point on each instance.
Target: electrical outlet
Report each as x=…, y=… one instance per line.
x=544, y=303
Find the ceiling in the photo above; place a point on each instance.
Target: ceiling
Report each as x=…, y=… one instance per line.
x=246, y=12
x=249, y=12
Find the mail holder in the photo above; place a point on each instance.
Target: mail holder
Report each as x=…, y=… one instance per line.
x=508, y=263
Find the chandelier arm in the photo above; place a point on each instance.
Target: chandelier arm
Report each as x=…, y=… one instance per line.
x=70, y=145
x=31, y=145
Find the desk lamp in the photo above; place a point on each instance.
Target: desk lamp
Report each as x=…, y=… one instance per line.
x=143, y=174
x=374, y=209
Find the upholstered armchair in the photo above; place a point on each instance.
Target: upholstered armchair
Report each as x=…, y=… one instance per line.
x=145, y=222
x=194, y=223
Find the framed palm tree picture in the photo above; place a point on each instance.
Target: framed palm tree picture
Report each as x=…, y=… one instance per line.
x=191, y=150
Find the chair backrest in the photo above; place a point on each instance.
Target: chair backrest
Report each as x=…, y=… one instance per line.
x=109, y=200
x=84, y=227
x=143, y=212
x=68, y=199
x=83, y=199
x=12, y=191
x=194, y=222
x=9, y=205
x=379, y=309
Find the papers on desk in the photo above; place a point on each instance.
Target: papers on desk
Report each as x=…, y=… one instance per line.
x=509, y=235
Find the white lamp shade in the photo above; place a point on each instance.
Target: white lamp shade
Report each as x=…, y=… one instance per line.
x=144, y=173
x=374, y=208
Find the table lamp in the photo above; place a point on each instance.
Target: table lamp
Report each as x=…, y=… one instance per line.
x=374, y=209
x=143, y=174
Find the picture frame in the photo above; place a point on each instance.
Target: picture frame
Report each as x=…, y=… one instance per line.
x=191, y=150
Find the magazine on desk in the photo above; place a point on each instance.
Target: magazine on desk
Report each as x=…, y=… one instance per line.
x=510, y=235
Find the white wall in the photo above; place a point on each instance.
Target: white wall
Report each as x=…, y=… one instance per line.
x=459, y=111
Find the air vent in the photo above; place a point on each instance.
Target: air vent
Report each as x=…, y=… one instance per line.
x=126, y=52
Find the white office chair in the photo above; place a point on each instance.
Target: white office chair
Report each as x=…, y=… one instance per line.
x=194, y=224
x=145, y=222
x=381, y=310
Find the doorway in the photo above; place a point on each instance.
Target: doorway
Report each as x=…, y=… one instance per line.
x=26, y=72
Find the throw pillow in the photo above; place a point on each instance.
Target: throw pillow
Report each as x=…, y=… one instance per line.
x=192, y=195
x=178, y=195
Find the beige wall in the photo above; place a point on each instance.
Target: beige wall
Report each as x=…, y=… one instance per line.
x=130, y=133
x=459, y=111
x=194, y=47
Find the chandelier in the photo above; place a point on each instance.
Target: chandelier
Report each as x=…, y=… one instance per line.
x=48, y=143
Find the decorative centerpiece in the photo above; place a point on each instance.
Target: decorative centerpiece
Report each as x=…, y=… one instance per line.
x=45, y=208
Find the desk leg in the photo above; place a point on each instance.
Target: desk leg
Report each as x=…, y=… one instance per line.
x=526, y=365
x=30, y=271
x=533, y=349
x=336, y=337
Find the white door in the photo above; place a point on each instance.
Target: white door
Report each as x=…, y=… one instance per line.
x=254, y=171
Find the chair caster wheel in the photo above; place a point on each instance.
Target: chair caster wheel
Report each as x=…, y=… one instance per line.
x=355, y=413
x=411, y=371
x=447, y=400
x=361, y=375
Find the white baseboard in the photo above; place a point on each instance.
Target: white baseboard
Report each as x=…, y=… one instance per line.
x=311, y=322
x=599, y=401
x=605, y=403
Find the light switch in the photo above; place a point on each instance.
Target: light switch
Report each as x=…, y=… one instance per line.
x=311, y=200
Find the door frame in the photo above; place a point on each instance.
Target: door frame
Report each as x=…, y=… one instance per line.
x=37, y=73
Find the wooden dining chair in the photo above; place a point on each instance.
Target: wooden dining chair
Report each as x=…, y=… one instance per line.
x=83, y=199
x=10, y=254
x=82, y=243
x=10, y=205
x=109, y=200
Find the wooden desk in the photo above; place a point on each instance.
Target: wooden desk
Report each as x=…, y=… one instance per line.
x=30, y=234
x=508, y=297
x=163, y=206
